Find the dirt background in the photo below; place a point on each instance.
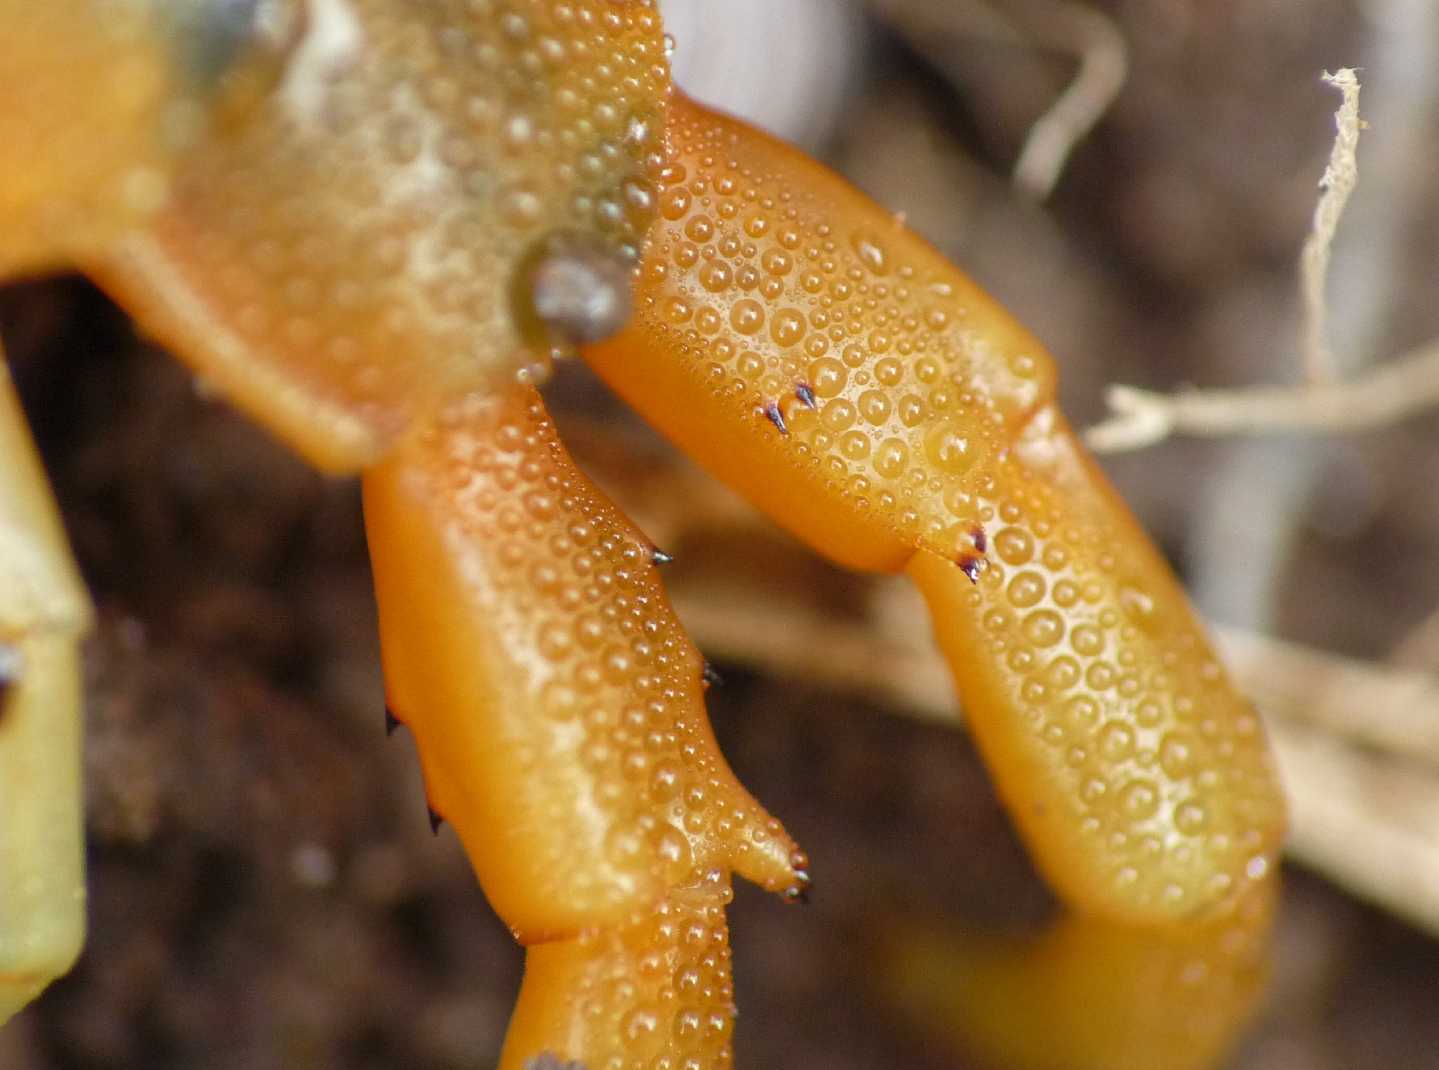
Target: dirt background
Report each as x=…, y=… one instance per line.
x=265, y=891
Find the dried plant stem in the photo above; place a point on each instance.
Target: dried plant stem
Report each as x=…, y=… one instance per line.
x=1103, y=68
x=1366, y=821
x=1063, y=26
x=1141, y=418
x=1340, y=177
x=1393, y=391
x=1389, y=710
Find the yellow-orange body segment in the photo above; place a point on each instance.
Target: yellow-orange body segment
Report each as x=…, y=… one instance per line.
x=345, y=260
x=556, y=705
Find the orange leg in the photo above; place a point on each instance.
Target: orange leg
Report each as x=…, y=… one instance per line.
x=803, y=345
x=558, y=712
x=1085, y=993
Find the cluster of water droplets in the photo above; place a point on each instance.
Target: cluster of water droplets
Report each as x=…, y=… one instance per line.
x=658, y=994
x=364, y=234
x=1118, y=693
x=855, y=339
x=617, y=709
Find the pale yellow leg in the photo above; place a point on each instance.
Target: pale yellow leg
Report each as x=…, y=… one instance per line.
x=43, y=613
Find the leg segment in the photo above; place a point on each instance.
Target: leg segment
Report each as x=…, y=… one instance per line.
x=1137, y=774
x=558, y=712
x=1111, y=997
x=43, y=611
x=797, y=340
x=658, y=986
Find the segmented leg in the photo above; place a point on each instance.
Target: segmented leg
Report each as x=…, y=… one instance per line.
x=43, y=612
x=558, y=712
x=798, y=341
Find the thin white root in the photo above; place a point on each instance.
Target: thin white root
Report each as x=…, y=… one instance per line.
x=1103, y=69
x=1385, y=710
x=1393, y=391
x=1063, y=26
x=1340, y=177
x=1406, y=385
x=1365, y=821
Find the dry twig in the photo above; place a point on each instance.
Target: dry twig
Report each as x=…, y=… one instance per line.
x=1103, y=68
x=1338, y=183
x=1063, y=26
x=1397, y=389
x=1393, y=391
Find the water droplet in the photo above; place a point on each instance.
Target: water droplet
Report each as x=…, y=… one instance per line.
x=1177, y=755
x=891, y=458
x=1026, y=589
x=855, y=445
x=828, y=377
x=1044, y=627
x=1063, y=673
x=839, y=415
x=777, y=262
x=1116, y=741
x=951, y=450
x=1087, y=640
x=1190, y=818
x=1082, y=708
x=674, y=203
x=1014, y=545
x=700, y=229
x=788, y=327
x=716, y=276
x=1139, y=800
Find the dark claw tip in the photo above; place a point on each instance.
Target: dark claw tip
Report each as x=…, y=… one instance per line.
x=771, y=411
x=980, y=539
x=659, y=557
x=805, y=393
x=710, y=677
x=971, y=567
x=391, y=721
x=799, y=891
x=435, y=820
